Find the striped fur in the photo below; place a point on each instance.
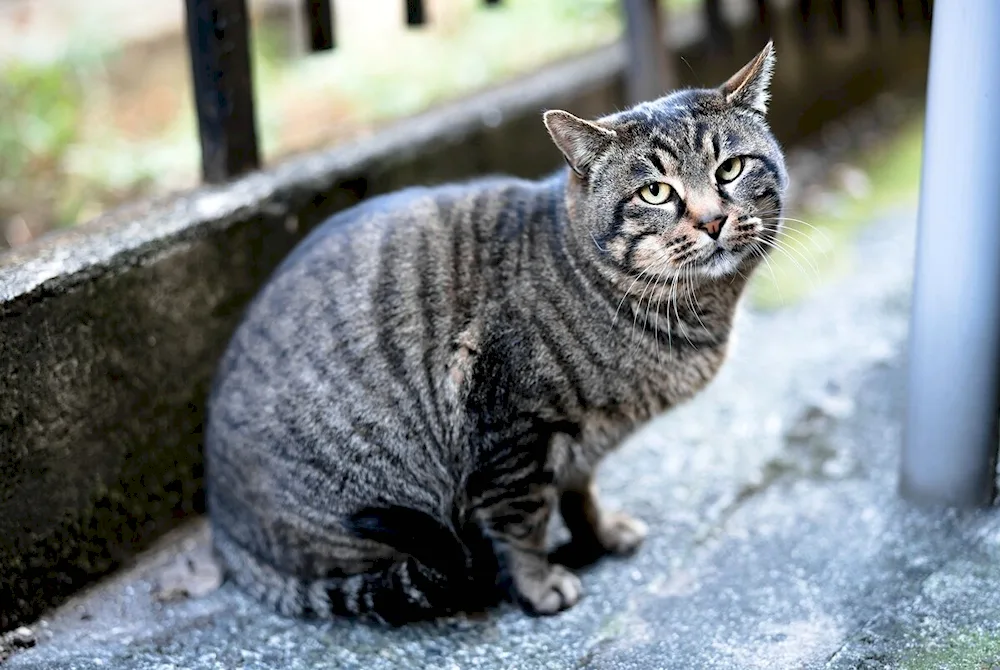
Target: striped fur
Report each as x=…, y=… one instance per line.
x=432, y=373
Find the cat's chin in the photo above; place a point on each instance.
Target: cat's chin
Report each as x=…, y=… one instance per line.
x=720, y=264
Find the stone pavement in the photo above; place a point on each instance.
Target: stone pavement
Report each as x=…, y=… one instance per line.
x=777, y=539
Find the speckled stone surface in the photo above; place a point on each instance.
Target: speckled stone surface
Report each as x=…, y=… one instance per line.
x=109, y=332
x=777, y=539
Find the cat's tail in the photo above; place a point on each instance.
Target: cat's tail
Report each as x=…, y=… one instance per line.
x=436, y=574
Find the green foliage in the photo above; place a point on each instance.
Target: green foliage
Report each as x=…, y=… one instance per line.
x=66, y=153
x=41, y=119
x=973, y=650
x=820, y=249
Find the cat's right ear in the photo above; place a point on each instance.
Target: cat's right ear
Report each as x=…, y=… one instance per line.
x=749, y=87
x=581, y=142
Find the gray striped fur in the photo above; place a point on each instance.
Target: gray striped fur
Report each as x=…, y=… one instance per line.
x=432, y=373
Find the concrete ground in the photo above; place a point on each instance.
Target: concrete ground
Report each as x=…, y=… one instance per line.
x=777, y=539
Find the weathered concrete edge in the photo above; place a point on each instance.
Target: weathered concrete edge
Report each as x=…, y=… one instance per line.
x=132, y=233
x=129, y=234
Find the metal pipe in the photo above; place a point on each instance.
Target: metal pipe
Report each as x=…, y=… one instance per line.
x=950, y=446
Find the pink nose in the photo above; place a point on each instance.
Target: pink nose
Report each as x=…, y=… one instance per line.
x=712, y=226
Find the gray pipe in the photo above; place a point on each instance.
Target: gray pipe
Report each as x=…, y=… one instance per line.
x=951, y=437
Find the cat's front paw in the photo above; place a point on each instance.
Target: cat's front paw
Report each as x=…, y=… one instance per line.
x=551, y=592
x=620, y=533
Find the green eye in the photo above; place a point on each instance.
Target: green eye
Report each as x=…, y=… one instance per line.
x=729, y=170
x=656, y=193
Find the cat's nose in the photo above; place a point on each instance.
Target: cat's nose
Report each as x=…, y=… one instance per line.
x=712, y=225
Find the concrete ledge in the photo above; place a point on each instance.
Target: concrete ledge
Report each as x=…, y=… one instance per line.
x=109, y=333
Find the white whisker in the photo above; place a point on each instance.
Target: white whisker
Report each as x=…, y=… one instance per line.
x=791, y=258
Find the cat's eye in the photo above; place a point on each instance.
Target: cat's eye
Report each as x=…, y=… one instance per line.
x=656, y=193
x=729, y=170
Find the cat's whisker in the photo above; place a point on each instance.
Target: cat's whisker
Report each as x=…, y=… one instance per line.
x=663, y=254
x=801, y=251
x=649, y=303
x=799, y=244
x=803, y=235
x=670, y=340
x=638, y=308
x=628, y=291
x=806, y=240
x=770, y=269
x=774, y=237
x=664, y=263
x=677, y=314
x=693, y=299
x=596, y=243
x=656, y=340
x=773, y=244
x=781, y=219
x=791, y=258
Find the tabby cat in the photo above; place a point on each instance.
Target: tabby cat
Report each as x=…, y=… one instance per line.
x=432, y=372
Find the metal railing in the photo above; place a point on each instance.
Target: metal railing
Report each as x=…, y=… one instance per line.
x=218, y=38
x=218, y=35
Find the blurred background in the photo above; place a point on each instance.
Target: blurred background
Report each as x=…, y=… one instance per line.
x=98, y=110
x=97, y=102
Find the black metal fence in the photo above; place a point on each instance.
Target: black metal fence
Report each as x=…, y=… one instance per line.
x=219, y=33
x=219, y=39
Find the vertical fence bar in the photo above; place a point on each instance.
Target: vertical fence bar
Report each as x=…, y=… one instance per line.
x=950, y=446
x=218, y=38
x=925, y=9
x=321, y=25
x=717, y=28
x=901, y=13
x=762, y=26
x=649, y=75
x=763, y=13
x=839, y=22
x=805, y=14
x=873, y=16
x=415, y=13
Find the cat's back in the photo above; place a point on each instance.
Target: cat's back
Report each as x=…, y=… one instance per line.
x=342, y=358
x=366, y=310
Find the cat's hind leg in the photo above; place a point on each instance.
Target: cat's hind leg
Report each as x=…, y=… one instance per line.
x=593, y=526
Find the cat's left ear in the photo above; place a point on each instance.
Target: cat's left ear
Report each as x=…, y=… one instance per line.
x=581, y=142
x=750, y=86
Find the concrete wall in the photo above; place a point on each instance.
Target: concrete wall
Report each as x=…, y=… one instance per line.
x=109, y=333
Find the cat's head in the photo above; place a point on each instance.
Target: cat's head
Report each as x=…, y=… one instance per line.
x=690, y=184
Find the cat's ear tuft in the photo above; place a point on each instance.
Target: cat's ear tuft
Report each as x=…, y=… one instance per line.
x=750, y=86
x=580, y=141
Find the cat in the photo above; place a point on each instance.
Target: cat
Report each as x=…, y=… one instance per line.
x=431, y=373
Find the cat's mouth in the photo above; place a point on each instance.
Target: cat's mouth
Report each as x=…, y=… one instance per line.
x=719, y=262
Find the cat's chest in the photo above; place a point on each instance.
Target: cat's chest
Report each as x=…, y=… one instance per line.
x=644, y=394
x=640, y=389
